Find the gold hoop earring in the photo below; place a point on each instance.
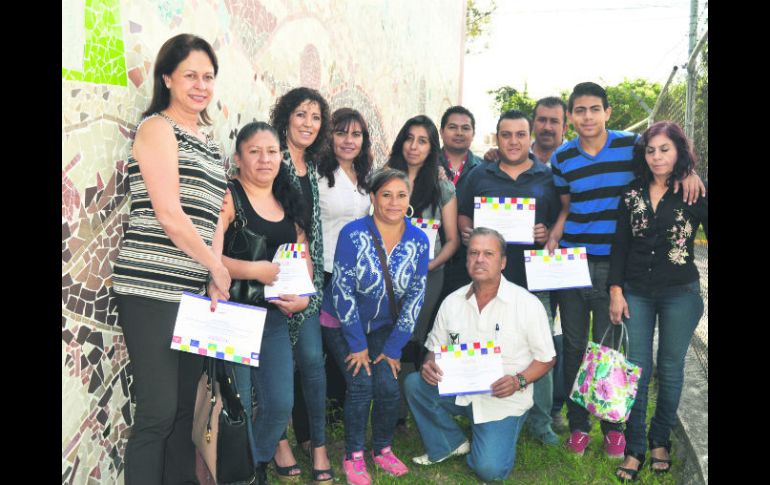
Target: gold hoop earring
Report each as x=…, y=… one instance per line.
x=412, y=213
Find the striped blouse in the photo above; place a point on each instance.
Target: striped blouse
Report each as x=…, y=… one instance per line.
x=149, y=264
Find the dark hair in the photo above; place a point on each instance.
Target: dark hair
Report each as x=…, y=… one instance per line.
x=282, y=109
x=513, y=114
x=486, y=231
x=171, y=54
x=362, y=164
x=384, y=175
x=685, y=156
x=249, y=130
x=426, y=190
x=587, y=89
x=457, y=110
x=551, y=102
x=284, y=192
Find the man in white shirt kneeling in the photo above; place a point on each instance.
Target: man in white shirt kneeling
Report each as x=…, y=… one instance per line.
x=490, y=308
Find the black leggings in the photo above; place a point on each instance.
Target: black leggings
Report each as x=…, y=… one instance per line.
x=160, y=447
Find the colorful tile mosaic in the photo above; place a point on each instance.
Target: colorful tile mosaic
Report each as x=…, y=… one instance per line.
x=264, y=47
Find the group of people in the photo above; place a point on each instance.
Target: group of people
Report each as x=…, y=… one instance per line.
x=386, y=295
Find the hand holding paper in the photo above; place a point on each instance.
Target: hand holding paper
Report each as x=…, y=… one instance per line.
x=293, y=277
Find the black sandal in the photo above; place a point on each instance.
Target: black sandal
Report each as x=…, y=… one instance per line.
x=654, y=445
x=285, y=472
x=322, y=481
x=633, y=474
x=317, y=480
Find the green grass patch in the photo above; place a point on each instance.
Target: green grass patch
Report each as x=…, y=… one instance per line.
x=535, y=462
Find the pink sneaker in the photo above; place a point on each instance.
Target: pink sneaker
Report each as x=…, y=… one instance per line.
x=388, y=462
x=355, y=469
x=578, y=441
x=615, y=444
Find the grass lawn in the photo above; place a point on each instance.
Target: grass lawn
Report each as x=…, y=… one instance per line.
x=535, y=463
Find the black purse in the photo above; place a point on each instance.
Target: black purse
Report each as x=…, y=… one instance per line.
x=220, y=426
x=246, y=245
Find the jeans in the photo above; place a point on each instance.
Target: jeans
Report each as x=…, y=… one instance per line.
x=539, y=421
x=576, y=307
x=381, y=387
x=559, y=389
x=160, y=448
x=493, y=445
x=273, y=385
x=678, y=310
x=310, y=406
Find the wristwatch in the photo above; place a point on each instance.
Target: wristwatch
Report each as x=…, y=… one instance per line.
x=522, y=381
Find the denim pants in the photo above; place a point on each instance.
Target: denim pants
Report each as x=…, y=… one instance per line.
x=576, y=306
x=160, y=448
x=311, y=388
x=678, y=310
x=273, y=386
x=493, y=445
x=381, y=387
x=539, y=420
x=559, y=389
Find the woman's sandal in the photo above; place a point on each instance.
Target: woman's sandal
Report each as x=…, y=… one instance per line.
x=323, y=481
x=632, y=474
x=654, y=445
x=285, y=472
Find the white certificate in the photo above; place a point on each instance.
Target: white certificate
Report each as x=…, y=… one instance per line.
x=469, y=368
x=430, y=228
x=293, y=278
x=566, y=268
x=513, y=217
x=233, y=332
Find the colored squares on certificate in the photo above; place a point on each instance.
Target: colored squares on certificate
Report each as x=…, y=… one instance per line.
x=469, y=349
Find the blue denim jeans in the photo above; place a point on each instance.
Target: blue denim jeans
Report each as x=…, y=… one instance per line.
x=678, y=310
x=493, y=445
x=381, y=387
x=539, y=420
x=308, y=354
x=559, y=389
x=576, y=306
x=273, y=385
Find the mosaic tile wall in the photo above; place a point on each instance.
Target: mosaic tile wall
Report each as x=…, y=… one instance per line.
x=390, y=60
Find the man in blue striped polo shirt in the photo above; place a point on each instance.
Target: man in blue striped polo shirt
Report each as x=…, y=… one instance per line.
x=590, y=173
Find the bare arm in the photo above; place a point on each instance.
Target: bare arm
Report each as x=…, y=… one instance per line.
x=507, y=385
x=466, y=227
x=449, y=221
x=558, y=228
x=155, y=149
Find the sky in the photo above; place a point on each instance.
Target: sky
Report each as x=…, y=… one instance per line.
x=552, y=45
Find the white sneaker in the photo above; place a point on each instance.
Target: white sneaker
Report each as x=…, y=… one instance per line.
x=463, y=449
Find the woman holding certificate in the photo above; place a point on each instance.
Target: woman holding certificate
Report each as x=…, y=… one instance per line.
x=301, y=117
x=416, y=152
x=174, y=170
x=376, y=292
x=653, y=277
x=263, y=195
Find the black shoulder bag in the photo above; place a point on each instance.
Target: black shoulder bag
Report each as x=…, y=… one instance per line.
x=246, y=245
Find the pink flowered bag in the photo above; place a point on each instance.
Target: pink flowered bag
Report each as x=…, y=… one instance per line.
x=606, y=382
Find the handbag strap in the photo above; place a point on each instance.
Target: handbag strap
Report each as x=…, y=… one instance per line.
x=240, y=217
x=623, y=332
x=386, y=273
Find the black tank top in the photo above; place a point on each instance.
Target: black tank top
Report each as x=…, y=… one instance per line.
x=277, y=233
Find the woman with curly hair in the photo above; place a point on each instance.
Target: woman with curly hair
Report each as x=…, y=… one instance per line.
x=301, y=117
x=652, y=278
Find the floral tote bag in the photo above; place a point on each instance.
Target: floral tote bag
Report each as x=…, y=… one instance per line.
x=606, y=382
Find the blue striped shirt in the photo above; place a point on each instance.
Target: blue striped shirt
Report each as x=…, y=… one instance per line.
x=594, y=183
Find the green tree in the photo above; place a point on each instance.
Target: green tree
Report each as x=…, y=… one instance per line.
x=631, y=102
x=477, y=20
x=507, y=97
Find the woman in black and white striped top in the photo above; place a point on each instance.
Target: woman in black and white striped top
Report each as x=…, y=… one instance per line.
x=177, y=183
